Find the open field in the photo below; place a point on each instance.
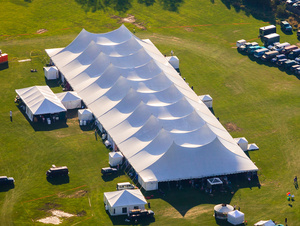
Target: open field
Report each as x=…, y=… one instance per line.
x=261, y=101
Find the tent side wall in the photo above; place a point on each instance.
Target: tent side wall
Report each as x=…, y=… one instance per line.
x=115, y=211
x=148, y=186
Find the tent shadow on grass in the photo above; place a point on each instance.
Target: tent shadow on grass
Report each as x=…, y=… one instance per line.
x=58, y=180
x=37, y=126
x=5, y=188
x=186, y=198
x=120, y=220
x=52, y=83
x=3, y=66
x=111, y=177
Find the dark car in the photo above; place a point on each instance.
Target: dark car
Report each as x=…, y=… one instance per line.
x=57, y=171
x=108, y=170
x=4, y=180
x=285, y=26
x=138, y=213
x=278, y=57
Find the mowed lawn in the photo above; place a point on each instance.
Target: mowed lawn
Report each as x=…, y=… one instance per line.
x=259, y=101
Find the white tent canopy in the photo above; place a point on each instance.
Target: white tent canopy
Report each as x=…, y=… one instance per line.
x=207, y=100
x=40, y=100
x=121, y=202
x=221, y=210
x=69, y=99
x=214, y=181
x=115, y=158
x=242, y=142
x=85, y=114
x=51, y=72
x=252, y=147
x=153, y=116
x=174, y=61
x=265, y=223
x=235, y=217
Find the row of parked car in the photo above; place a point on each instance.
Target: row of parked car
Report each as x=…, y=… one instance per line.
x=283, y=55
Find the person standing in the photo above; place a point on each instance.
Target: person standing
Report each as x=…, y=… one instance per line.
x=10, y=114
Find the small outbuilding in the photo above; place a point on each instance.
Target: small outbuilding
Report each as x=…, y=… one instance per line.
x=242, y=142
x=207, y=100
x=265, y=223
x=222, y=210
x=70, y=99
x=115, y=158
x=174, y=61
x=51, y=73
x=121, y=202
x=235, y=217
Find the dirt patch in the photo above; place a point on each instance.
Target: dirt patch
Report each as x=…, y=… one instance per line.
x=60, y=213
x=77, y=194
x=81, y=213
x=41, y=31
x=188, y=29
x=230, y=126
x=50, y=220
x=129, y=19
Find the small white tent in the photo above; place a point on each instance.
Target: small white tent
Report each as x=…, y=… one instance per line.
x=51, y=72
x=121, y=202
x=242, y=142
x=70, y=99
x=221, y=210
x=174, y=61
x=85, y=114
x=252, y=147
x=207, y=100
x=40, y=100
x=214, y=181
x=115, y=158
x=235, y=217
x=265, y=223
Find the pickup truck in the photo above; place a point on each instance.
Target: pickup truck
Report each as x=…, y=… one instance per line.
x=4, y=180
x=136, y=214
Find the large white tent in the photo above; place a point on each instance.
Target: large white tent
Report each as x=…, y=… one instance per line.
x=121, y=202
x=235, y=217
x=149, y=111
x=40, y=100
x=69, y=99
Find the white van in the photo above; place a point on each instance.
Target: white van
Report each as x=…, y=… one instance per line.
x=124, y=186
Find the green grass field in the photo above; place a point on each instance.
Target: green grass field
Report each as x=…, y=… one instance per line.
x=260, y=100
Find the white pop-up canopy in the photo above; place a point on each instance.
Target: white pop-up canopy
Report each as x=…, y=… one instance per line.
x=214, y=181
x=85, y=114
x=121, y=202
x=235, y=217
x=40, y=100
x=69, y=99
x=207, y=100
x=242, y=142
x=51, y=72
x=149, y=111
x=115, y=158
x=252, y=147
x=265, y=223
x=174, y=61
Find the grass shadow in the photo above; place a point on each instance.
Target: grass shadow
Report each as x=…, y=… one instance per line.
x=111, y=177
x=3, y=66
x=123, y=220
x=58, y=180
x=6, y=187
x=52, y=83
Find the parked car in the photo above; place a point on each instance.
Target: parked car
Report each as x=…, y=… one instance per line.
x=297, y=71
x=124, y=186
x=55, y=171
x=252, y=49
x=289, y=49
x=289, y=63
x=138, y=213
x=278, y=57
x=4, y=180
x=269, y=55
x=247, y=45
x=271, y=39
x=108, y=170
x=260, y=52
x=285, y=26
x=298, y=33
x=294, y=67
x=295, y=53
x=281, y=62
x=267, y=30
x=241, y=42
x=280, y=47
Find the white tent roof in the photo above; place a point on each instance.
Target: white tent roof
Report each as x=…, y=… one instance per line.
x=235, y=217
x=214, y=181
x=40, y=100
x=252, y=147
x=68, y=96
x=241, y=140
x=223, y=208
x=125, y=198
x=154, y=117
x=115, y=154
x=206, y=97
x=265, y=223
